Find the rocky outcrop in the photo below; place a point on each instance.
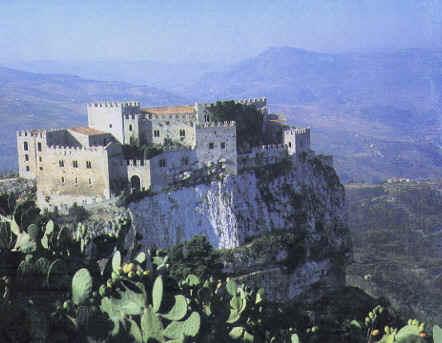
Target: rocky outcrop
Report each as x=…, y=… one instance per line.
x=284, y=225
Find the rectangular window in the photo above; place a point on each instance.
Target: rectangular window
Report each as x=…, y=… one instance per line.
x=39, y=146
x=223, y=145
x=211, y=145
x=90, y=181
x=130, y=127
x=40, y=159
x=41, y=168
x=206, y=117
x=26, y=157
x=110, y=126
x=76, y=180
x=75, y=164
x=27, y=168
x=61, y=163
x=182, y=133
x=88, y=164
x=62, y=179
x=162, y=163
x=25, y=146
x=156, y=133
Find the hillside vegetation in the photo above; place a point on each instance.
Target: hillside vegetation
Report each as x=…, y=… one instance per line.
x=397, y=235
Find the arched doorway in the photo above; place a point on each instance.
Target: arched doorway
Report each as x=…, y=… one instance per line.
x=135, y=183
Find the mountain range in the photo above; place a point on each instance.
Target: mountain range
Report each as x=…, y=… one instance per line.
x=378, y=113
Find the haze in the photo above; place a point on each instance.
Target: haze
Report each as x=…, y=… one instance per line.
x=210, y=31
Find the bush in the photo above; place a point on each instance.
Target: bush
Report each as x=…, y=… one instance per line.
x=249, y=122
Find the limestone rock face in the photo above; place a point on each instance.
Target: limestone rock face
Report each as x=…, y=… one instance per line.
x=284, y=225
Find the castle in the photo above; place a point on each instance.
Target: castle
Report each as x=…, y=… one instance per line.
x=85, y=165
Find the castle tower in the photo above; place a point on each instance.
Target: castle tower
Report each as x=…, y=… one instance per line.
x=296, y=140
x=109, y=116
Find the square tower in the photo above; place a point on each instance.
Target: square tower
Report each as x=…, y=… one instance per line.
x=109, y=117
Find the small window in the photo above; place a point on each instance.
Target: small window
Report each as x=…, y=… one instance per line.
x=156, y=133
x=162, y=163
x=90, y=181
x=290, y=144
x=185, y=161
x=27, y=168
x=61, y=163
x=223, y=145
x=62, y=179
x=26, y=157
x=110, y=126
x=40, y=159
x=76, y=180
x=88, y=164
x=182, y=133
x=130, y=127
x=211, y=145
x=206, y=117
x=75, y=164
x=25, y=146
x=41, y=168
x=39, y=146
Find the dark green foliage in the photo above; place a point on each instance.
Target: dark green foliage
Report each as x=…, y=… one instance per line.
x=197, y=257
x=249, y=122
x=77, y=213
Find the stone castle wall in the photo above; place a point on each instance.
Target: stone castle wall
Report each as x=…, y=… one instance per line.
x=263, y=155
x=216, y=141
x=77, y=175
x=176, y=131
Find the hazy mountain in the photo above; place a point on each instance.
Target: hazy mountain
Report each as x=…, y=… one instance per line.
x=29, y=100
x=378, y=113
x=170, y=76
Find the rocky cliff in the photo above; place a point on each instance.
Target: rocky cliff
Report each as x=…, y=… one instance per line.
x=282, y=226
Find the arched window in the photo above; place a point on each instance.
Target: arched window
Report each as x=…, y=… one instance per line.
x=25, y=146
x=130, y=127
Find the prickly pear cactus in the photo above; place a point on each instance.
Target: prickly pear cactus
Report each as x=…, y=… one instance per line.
x=81, y=286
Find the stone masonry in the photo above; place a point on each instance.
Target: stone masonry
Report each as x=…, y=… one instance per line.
x=86, y=165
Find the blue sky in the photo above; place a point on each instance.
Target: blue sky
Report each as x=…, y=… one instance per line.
x=182, y=31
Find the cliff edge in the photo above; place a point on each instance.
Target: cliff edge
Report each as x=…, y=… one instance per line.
x=282, y=226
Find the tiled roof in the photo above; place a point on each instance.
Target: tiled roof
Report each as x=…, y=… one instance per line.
x=88, y=131
x=169, y=110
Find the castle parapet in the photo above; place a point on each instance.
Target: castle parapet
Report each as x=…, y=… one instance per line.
x=249, y=101
x=298, y=131
x=269, y=148
x=114, y=104
x=58, y=149
x=137, y=163
x=219, y=124
x=35, y=132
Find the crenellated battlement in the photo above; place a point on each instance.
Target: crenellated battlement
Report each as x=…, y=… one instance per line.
x=137, y=163
x=36, y=132
x=269, y=148
x=75, y=149
x=250, y=101
x=216, y=124
x=133, y=116
x=298, y=131
x=180, y=116
x=114, y=104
